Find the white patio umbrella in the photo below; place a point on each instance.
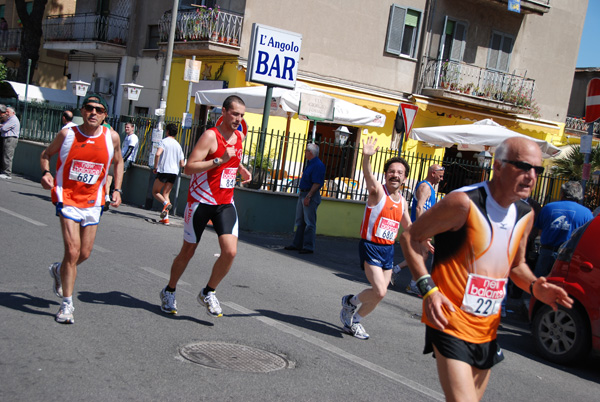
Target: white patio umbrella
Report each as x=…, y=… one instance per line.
x=286, y=100
x=475, y=137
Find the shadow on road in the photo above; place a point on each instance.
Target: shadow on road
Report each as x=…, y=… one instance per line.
x=26, y=303
x=320, y=326
x=40, y=196
x=121, y=299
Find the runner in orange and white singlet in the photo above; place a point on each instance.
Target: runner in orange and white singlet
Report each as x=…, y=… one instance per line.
x=213, y=164
x=81, y=168
x=480, y=240
x=385, y=211
x=85, y=154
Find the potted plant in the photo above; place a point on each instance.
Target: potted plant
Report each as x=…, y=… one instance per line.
x=259, y=166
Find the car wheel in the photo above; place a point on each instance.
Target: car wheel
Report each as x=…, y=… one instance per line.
x=561, y=336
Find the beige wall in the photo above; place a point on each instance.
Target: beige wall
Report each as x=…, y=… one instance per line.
x=548, y=50
x=342, y=41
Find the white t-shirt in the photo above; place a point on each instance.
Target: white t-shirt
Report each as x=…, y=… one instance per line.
x=130, y=141
x=171, y=157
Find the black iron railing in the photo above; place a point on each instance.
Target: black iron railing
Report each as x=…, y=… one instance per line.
x=478, y=82
x=10, y=40
x=86, y=27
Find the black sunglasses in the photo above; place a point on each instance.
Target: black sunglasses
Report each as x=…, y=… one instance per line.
x=99, y=109
x=526, y=167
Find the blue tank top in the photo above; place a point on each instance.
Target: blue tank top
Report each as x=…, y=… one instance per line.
x=428, y=204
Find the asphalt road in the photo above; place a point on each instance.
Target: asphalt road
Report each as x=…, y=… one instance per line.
x=282, y=305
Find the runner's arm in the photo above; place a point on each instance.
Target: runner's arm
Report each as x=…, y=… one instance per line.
x=197, y=162
x=544, y=291
x=118, y=169
x=374, y=188
x=450, y=214
x=47, y=179
x=245, y=173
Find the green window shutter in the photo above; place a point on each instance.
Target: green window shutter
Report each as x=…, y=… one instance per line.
x=412, y=18
x=449, y=27
x=395, y=29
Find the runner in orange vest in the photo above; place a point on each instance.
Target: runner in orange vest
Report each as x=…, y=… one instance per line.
x=85, y=153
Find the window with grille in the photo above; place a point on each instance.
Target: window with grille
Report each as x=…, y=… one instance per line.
x=403, y=31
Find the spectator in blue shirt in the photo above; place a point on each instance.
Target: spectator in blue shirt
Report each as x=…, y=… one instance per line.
x=557, y=221
x=309, y=199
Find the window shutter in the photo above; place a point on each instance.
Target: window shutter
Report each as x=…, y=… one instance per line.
x=412, y=18
x=458, y=42
x=494, y=51
x=505, y=53
x=395, y=30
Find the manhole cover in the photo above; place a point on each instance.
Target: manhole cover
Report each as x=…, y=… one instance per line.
x=227, y=356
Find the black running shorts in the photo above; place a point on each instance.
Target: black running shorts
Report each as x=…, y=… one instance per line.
x=480, y=355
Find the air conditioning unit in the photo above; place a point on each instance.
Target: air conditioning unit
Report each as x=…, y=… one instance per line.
x=103, y=85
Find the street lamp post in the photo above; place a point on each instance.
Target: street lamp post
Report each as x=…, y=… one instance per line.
x=80, y=88
x=132, y=92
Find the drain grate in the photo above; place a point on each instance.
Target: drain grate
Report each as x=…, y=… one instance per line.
x=228, y=356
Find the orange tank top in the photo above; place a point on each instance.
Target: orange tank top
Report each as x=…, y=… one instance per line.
x=471, y=264
x=81, y=168
x=381, y=222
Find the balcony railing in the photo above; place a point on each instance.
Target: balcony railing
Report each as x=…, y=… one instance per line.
x=579, y=124
x=203, y=25
x=10, y=40
x=86, y=27
x=466, y=79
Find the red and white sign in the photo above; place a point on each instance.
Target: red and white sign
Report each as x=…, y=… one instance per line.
x=243, y=127
x=592, y=101
x=409, y=112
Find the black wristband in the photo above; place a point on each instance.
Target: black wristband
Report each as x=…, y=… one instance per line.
x=118, y=190
x=531, y=288
x=44, y=172
x=425, y=284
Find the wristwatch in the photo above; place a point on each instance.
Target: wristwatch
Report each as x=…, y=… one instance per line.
x=118, y=190
x=217, y=161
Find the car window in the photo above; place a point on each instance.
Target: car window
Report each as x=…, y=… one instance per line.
x=565, y=252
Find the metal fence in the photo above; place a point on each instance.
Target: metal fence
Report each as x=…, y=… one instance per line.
x=280, y=166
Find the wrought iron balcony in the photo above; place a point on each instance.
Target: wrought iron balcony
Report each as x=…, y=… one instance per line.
x=86, y=27
x=204, y=25
x=449, y=79
x=578, y=124
x=10, y=41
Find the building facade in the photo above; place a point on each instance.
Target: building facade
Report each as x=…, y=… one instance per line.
x=459, y=61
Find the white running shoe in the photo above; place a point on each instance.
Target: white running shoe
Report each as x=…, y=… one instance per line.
x=347, y=312
x=57, y=286
x=356, y=330
x=65, y=314
x=211, y=302
x=168, y=304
